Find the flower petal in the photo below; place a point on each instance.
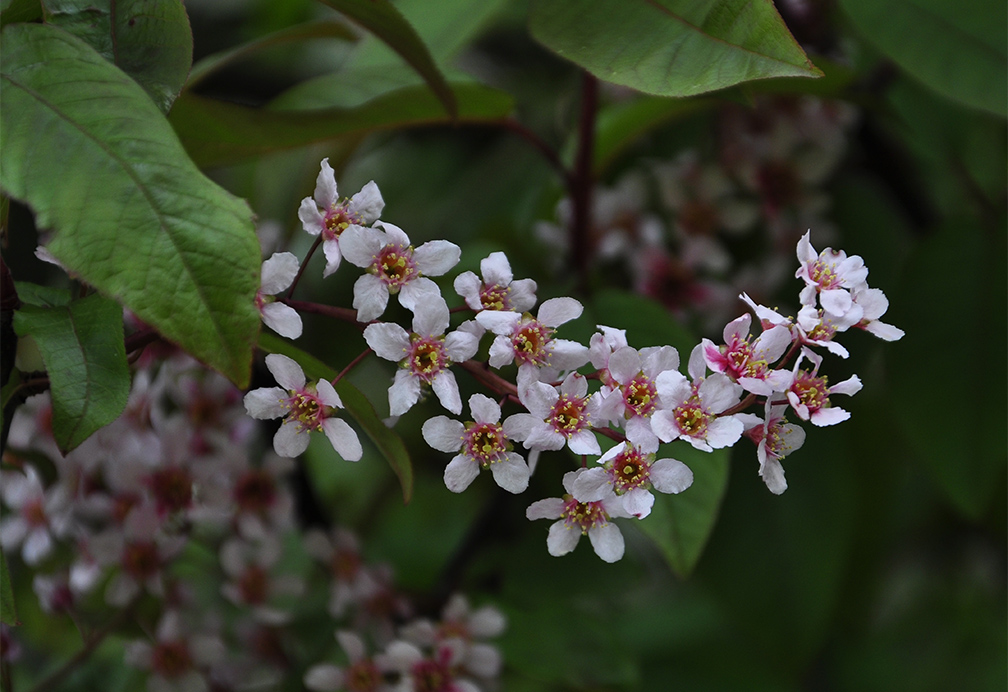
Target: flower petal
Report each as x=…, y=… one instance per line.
x=444, y=434
x=287, y=372
x=460, y=473
x=343, y=438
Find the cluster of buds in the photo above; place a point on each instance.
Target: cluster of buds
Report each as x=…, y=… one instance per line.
x=572, y=395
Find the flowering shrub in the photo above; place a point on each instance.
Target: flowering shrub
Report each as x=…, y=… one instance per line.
x=174, y=481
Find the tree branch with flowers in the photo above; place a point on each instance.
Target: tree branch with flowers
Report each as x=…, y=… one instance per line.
x=589, y=325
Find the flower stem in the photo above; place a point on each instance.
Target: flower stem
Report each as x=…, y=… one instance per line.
x=353, y=364
x=304, y=263
x=345, y=314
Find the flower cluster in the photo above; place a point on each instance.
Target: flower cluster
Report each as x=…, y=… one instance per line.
x=573, y=396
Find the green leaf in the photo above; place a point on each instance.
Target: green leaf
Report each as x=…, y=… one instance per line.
x=671, y=47
x=681, y=524
x=356, y=404
x=19, y=11
x=8, y=614
x=973, y=322
x=382, y=19
x=959, y=49
x=217, y=133
x=86, y=148
x=150, y=40
x=42, y=296
x=311, y=30
x=82, y=346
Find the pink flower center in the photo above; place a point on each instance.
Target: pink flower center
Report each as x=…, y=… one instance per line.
x=486, y=443
x=691, y=418
x=779, y=183
x=698, y=217
x=630, y=469
x=823, y=331
x=777, y=443
x=395, y=266
x=305, y=408
x=432, y=676
x=33, y=512
x=141, y=560
x=336, y=220
x=496, y=297
x=568, y=415
x=583, y=515
x=531, y=340
x=812, y=391
x=345, y=564
x=640, y=395
x=426, y=357
x=255, y=491
x=172, y=488
x=253, y=585
x=171, y=659
x=823, y=273
x=363, y=676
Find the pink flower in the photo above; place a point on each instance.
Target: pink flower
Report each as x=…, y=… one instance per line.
x=330, y=216
x=874, y=304
x=394, y=266
x=749, y=363
x=304, y=408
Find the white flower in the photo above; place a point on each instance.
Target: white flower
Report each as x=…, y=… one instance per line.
x=498, y=290
x=176, y=657
x=579, y=518
x=809, y=395
x=483, y=443
x=362, y=673
x=252, y=581
x=304, y=408
x=775, y=438
x=874, y=304
x=277, y=274
x=819, y=327
x=37, y=516
x=828, y=274
x=424, y=355
x=330, y=216
x=692, y=408
x=394, y=266
x=631, y=395
x=529, y=340
x=556, y=418
x=630, y=471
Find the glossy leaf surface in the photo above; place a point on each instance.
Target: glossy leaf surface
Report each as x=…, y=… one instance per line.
x=671, y=47
x=150, y=40
x=82, y=346
x=130, y=214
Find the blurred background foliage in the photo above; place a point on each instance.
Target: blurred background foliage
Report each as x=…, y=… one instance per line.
x=883, y=566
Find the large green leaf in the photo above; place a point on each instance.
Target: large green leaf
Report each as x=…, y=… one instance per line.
x=671, y=47
x=217, y=133
x=19, y=11
x=95, y=159
x=150, y=40
x=382, y=19
x=681, y=524
x=310, y=30
x=966, y=467
x=356, y=404
x=959, y=49
x=82, y=346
